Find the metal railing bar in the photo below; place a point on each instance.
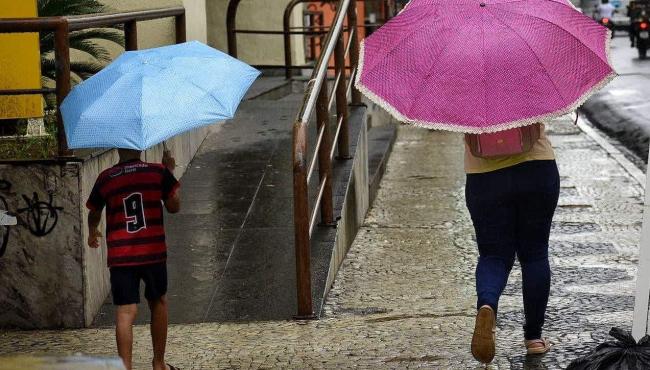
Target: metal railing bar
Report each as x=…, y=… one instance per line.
x=27, y=91
x=292, y=67
x=336, y=137
x=312, y=166
x=19, y=25
x=321, y=190
x=347, y=47
x=336, y=84
x=321, y=69
x=263, y=32
x=353, y=76
x=354, y=53
x=61, y=28
x=77, y=22
x=109, y=19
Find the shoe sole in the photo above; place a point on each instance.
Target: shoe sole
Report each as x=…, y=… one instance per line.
x=483, y=340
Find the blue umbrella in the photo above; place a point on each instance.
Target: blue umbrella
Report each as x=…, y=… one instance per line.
x=145, y=97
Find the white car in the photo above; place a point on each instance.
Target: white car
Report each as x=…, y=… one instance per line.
x=621, y=21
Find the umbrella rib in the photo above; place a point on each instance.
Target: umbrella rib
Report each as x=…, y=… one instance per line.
x=560, y=27
x=485, y=104
x=432, y=69
x=564, y=101
x=393, y=47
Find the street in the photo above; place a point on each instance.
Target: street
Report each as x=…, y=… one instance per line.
x=622, y=109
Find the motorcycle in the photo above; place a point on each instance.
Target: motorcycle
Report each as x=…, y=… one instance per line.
x=642, y=33
x=608, y=23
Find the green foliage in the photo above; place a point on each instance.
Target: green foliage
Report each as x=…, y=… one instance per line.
x=83, y=40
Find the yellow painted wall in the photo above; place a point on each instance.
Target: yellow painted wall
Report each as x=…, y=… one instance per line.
x=19, y=64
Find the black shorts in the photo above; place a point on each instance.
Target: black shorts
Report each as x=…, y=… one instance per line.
x=125, y=283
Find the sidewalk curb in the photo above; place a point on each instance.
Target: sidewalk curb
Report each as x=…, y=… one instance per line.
x=616, y=154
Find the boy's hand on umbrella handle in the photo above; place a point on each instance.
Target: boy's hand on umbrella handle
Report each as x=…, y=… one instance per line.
x=168, y=161
x=93, y=238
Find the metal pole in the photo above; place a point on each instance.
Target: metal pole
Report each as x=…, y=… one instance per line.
x=354, y=48
x=342, y=100
x=286, y=28
x=324, y=161
x=312, y=39
x=642, y=296
x=131, y=35
x=62, y=62
x=181, y=29
x=301, y=223
x=231, y=21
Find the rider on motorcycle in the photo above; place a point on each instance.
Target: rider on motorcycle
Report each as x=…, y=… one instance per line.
x=606, y=10
x=638, y=12
x=605, y=13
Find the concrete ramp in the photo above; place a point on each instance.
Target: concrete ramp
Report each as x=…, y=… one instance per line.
x=231, y=248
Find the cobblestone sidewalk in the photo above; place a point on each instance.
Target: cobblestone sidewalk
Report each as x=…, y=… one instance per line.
x=404, y=297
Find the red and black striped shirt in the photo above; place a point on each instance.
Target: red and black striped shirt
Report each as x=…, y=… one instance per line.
x=132, y=193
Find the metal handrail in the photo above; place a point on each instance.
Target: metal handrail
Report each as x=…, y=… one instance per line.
x=320, y=71
x=61, y=26
x=287, y=31
x=316, y=99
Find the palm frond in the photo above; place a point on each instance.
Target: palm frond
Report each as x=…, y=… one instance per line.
x=82, y=69
x=112, y=35
x=48, y=8
x=98, y=34
x=48, y=68
x=47, y=42
x=91, y=48
x=85, y=69
x=83, y=40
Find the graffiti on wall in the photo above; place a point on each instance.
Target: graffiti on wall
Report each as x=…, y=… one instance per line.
x=40, y=217
x=5, y=186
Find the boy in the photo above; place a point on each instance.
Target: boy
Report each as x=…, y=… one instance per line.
x=133, y=192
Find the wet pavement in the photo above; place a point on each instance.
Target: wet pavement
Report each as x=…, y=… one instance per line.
x=622, y=109
x=231, y=247
x=404, y=297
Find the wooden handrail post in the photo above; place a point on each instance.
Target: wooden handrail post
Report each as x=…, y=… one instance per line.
x=301, y=223
x=324, y=160
x=181, y=29
x=341, y=99
x=131, y=35
x=354, y=48
x=62, y=63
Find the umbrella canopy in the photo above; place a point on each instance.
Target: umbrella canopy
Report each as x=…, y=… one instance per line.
x=145, y=97
x=480, y=66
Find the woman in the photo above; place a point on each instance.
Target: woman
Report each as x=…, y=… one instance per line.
x=512, y=200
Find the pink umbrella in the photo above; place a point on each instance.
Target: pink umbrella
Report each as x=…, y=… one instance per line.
x=479, y=66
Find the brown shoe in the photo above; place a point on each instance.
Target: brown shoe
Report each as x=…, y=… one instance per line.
x=484, y=339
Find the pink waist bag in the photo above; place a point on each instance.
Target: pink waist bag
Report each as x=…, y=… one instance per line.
x=504, y=143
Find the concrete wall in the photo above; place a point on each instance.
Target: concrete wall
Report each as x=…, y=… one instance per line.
x=355, y=206
x=258, y=15
x=161, y=32
x=196, y=14
x=55, y=280
x=41, y=279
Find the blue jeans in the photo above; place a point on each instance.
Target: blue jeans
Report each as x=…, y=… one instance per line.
x=512, y=210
